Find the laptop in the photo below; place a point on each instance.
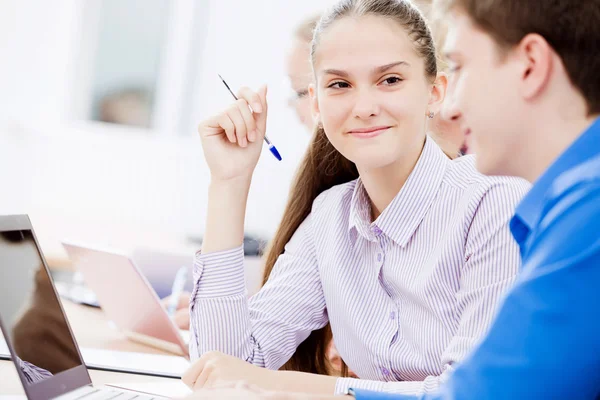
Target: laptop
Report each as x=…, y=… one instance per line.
x=34, y=325
x=159, y=268
x=127, y=298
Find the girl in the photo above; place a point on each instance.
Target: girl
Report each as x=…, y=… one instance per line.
x=299, y=71
x=447, y=133
x=403, y=251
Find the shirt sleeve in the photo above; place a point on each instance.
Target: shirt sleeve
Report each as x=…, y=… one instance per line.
x=32, y=373
x=544, y=341
x=492, y=263
x=430, y=384
x=267, y=329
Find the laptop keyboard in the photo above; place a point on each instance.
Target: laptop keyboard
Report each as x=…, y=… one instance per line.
x=109, y=394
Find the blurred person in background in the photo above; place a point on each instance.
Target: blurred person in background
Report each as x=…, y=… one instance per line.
x=300, y=73
x=445, y=129
x=130, y=106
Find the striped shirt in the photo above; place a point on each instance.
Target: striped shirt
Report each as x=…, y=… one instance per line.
x=407, y=295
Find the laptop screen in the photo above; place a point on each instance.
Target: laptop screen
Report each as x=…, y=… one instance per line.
x=33, y=321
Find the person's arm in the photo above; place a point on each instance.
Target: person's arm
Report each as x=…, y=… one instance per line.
x=216, y=369
x=232, y=143
x=544, y=342
x=492, y=263
x=267, y=329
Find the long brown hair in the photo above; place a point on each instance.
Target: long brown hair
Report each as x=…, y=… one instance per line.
x=324, y=167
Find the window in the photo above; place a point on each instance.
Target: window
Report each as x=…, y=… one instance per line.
x=137, y=62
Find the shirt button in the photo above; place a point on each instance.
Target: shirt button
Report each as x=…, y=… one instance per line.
x=376, y=230
x=395, y=338
x=393, y=315
x=385, y=371
x=379, y=257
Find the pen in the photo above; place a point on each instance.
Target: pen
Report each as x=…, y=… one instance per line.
x=272, y=147
x=177, y=289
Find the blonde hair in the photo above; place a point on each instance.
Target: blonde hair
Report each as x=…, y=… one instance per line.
x=306, y=29
x=439, y=29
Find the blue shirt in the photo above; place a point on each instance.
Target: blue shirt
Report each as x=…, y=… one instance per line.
x=545, y=340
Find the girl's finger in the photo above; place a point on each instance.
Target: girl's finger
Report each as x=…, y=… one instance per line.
x=249, y=120
x=252, y=98
x=236, y=117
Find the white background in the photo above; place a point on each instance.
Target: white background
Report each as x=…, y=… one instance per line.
x=75, y=177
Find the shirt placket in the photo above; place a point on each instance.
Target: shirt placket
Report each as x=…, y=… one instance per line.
x=390, y=329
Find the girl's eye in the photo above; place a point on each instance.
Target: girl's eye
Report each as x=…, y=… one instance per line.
x=339, y=85
x=300, y=94
x=392, y=80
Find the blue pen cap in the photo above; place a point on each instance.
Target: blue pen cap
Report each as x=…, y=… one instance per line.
x=275, y=152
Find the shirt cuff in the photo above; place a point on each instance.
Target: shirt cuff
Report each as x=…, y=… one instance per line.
x=219, y=274
x=412, y=388
x=343, y=384
x=362, y=394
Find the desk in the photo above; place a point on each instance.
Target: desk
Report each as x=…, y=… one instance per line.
x=91, y=329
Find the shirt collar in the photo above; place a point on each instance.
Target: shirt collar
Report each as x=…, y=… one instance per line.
x=529, y=211
x=404, y=214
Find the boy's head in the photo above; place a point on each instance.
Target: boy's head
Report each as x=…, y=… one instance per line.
x=516, y=66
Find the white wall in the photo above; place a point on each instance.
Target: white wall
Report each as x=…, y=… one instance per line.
x=36, y=39
x=78, y=175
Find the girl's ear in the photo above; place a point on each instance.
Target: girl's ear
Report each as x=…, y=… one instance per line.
x=314, y=102
x=438, y=93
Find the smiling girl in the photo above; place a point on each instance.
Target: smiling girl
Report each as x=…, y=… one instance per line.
x=404, y=252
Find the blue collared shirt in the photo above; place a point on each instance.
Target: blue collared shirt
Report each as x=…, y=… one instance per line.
x=545, y=340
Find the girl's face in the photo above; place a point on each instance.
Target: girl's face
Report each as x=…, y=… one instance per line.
x=371, y=93
x=300, y=75
x=446, y=130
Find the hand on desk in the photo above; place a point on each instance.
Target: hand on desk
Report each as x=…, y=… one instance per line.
x=182, y=313
x=215, y=369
